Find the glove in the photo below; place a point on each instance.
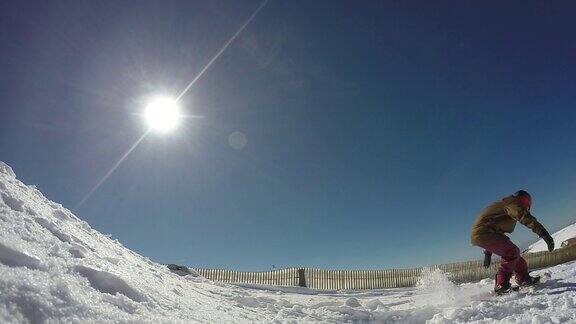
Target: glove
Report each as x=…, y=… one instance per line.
x=487, y=258
x=549, y=240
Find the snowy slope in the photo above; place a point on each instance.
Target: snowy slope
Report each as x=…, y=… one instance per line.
x=559, y=237
x=55, y=268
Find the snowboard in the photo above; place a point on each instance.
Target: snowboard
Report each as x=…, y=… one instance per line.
x=517, y=288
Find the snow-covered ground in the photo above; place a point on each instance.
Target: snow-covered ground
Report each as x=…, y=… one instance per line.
x=559, y=237
x=55, y=268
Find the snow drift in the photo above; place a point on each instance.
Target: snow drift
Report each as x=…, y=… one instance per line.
x=55, y=268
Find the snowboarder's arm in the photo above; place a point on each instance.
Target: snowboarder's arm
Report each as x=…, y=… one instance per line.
x=522, y=215
x=525, y=218
x=531, y=222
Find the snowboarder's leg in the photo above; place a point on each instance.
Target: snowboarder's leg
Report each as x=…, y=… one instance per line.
x=523, y=277
x=510, y=254
x=521, y=271
x=511, y=259
x=517, y=264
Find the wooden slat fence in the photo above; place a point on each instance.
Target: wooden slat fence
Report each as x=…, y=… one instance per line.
x=280, y=277
x=468, y=271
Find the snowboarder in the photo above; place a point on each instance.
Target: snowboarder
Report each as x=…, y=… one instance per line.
x=488, y=233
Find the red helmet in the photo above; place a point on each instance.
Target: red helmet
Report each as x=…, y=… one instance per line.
x=524, y=198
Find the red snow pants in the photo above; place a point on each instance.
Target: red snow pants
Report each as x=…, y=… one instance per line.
x=512, y=262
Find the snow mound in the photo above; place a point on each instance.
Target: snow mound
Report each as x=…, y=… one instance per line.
x=108, y=282
x=12, y=202
x=14, y=258
x=559, y=237
x=7, y=170
x=54, y=268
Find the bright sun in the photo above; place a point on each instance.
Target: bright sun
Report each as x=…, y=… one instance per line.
x=162, y=114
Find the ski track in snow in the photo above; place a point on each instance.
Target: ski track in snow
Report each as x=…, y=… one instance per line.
x=55, y=268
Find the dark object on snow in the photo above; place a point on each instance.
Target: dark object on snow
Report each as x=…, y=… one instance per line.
x=301, y=278
x=487, y=258
x=180, y=270
x=568, y=242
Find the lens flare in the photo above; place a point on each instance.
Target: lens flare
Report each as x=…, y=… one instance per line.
x=162, y=114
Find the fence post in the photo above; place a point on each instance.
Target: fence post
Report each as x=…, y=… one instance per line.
x=301, y=278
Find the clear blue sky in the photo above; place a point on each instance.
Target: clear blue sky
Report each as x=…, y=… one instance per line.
x=376, y=130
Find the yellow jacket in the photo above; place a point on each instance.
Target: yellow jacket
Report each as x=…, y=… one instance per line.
x=501, y=217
